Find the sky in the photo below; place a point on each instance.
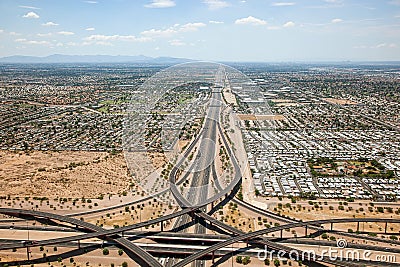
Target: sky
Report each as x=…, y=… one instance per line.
x=217, y=30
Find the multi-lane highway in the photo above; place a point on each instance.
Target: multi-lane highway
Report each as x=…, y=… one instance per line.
x=194, y=205
x=198, y=192
x=110, y=234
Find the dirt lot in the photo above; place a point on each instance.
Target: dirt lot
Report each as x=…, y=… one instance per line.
x=62, y=174
x=282, y=100
x=229, y=97
x=252, y=117
x=340, y=101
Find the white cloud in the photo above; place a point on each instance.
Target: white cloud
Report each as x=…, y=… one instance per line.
x=31, y=15
x=378, y=46
x=153, y=33
x=29, y=7
x=177, y=42
x=65, y=33
x=171, y=31
x=283, y=4
x=44, y=34
x=216, y=4
x=251, y=21
x=25, y=41
x=91, y=2
x=104, y=43
x=160, y=4
x=215, y=22
x=1, y=30
x=116, y=37
x=14, y=34
x=50, y=23
x=73, y=44
x=336, y=20
x=191, y=27
x=385, y=45
x=90, y=29
x=38, y=42
x=289, y=24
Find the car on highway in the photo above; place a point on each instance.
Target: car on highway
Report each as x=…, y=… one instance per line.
x=29, y=242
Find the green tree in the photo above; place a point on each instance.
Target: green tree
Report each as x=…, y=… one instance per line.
x=246, y=260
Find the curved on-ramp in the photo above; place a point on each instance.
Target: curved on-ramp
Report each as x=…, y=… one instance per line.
x=141, y=256
x=258, y=233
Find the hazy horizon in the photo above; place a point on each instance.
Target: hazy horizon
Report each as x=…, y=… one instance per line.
x=169, y=59
x=215, y=30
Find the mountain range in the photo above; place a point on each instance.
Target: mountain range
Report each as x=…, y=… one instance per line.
x=58, y=58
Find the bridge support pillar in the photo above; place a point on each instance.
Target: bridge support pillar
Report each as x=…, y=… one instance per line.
x=358, y=227
x=27, y=252
x=212, y=205
x=281, y=234
x=331, y=226
x=79, y=244
x=122, y=233
x=386, y=227
x=213, y=257
x=162, y=226
x=306, y=231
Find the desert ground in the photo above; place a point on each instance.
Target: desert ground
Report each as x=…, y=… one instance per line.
x=62, y=174
x=252, y=117
x=340, y=101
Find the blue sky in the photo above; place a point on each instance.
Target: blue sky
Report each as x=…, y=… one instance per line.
x=232, y=30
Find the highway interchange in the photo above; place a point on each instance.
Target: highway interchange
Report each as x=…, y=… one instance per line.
x=197, y=207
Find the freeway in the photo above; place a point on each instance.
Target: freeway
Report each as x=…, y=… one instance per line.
x=277, y=217
x=139, y=255
x=104, y=233
x=194, y=204
x=200, y=179
x=90, y=212
x=258, y=233
x=201, y=167
x=214, y=110
x=210, y=127
x=183, y=240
